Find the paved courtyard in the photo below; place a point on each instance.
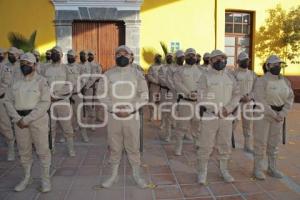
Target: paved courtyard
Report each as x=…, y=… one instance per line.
x=78, y=178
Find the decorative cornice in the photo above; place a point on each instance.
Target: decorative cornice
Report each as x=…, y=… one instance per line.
x=119, y=4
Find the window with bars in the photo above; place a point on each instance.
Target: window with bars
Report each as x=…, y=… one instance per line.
x=237, y=35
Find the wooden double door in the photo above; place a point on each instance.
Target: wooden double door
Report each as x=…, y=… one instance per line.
x=101, y=37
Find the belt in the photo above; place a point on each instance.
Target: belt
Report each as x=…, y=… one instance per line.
x=129, y=113
x=188, y=99
x=164, y=87
x=277, y=108
x=2, y=96
x=23, y=113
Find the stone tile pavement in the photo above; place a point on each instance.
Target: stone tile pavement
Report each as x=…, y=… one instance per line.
x=77, y=178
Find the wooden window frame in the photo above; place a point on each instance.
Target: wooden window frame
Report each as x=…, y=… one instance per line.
x=237, y=35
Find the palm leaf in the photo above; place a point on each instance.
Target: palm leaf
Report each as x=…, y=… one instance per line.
x=164, y=48
x=19, y=41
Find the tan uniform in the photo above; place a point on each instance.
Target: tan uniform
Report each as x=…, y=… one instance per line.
x=221, y=89
x=124, y=133
x=5, y=123
x=53, y=73
x=245, y=79
x=153, y=80
x=270, y=90
x=29, y=100
x=16, y=70
x=185, y=81
x=73, y=73
x=166, y=96
x=91, y=87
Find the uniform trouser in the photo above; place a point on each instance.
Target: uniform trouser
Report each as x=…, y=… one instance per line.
x=5, y=123
x=90, y=109
x=267, y=136
x=215, y=133
x=62, y=111
x=187, y=126
x=78, y=111
x=37, y=134
x=246, y=120
x=166, y=110
x=153, y=98
x=124, y=134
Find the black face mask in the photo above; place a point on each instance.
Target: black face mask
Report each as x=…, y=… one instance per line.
x=55, y=57
x=169, y=60
x=122, y=61
x=190, y=61
x=48, y=57
x=83, y=59
x=157, y=61
x=26, y=69
x=206, y=61
x=71, y=60
x=1, y=58
x=180, y=61
x=90, y=59
x=275, y=70
x=243, y=64
x=12, y=59
x=219, y=65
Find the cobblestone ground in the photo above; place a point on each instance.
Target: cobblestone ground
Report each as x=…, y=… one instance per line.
x=175, y=177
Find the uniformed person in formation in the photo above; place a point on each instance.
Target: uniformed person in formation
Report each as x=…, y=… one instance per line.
x=185, y=81
x=27, y=103
x=198, y=60
x=5, y=123
x=95, y=69
x=73, y=73
x=153, y=82
x=3, y=53
x=205, y=64
x=179, y=60
x=123, y=103
x=37, y=55
x=218, y=94
x=245, y=79
x=274, y=93
x=60, y=88
x=14, y=63
x=166, y=96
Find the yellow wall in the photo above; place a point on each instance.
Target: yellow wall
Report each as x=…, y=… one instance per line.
x=191, y=22
x=24, y=16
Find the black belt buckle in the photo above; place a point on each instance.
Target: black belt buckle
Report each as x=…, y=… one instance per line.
x=24, y=113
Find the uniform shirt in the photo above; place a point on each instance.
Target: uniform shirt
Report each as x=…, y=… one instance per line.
x=153, y=73
x=85, y=68
x=56, y=75
x=274, y=90
x=245, y=79
x=162, y=74
x=94, y=69
x=204, y=67
x=129, y=86
x=153, y=77
x=219, y=88
x=73, y=74
x=15, y=70
x=170, y=76
x=28, y=93
x=186, y=79
x=138, y=67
